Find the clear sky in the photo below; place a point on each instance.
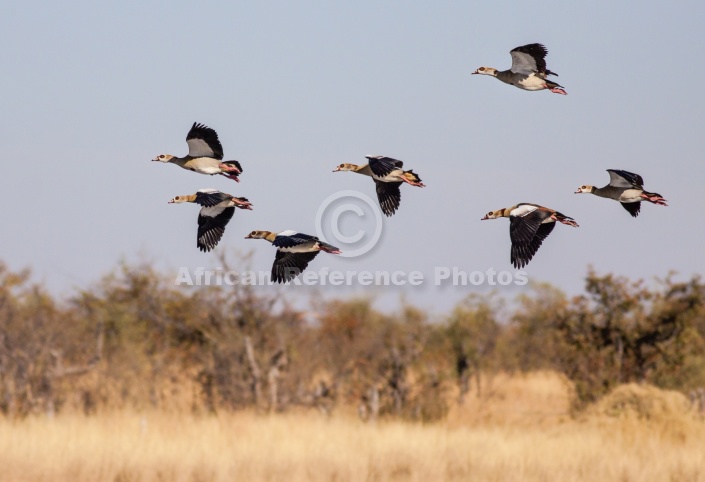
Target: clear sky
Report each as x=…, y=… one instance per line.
x=92, y=92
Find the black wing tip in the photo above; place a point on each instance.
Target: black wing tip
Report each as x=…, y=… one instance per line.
x=520, y=263
x=632, y=208
x=389, y=205
x=278, y=279
x=623, y=171
x=531, y=48
x=522, y=258
x=285, y=274
x=288, y=266
x=521, y=254
x=205, y=247
x=209, y=238
x=197, y=126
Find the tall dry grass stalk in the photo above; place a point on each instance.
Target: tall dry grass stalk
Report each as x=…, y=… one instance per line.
x=519, y=430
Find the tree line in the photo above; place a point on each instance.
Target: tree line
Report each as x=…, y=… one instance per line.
x=135, y=340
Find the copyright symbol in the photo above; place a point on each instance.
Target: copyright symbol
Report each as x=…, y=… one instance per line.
x=351, y=221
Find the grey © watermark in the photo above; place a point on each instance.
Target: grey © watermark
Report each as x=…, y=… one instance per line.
x=350, y=220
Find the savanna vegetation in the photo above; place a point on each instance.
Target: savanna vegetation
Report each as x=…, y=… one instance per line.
x=138, y=341
x=139, y=379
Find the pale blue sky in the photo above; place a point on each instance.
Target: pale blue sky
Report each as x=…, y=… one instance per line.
x=91, y=93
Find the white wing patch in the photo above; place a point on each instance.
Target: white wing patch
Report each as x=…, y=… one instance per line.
x=199, y=148
x=212, y=211
x=523, y=63
x=618, y=181
x=523, y=210
x=288, y=232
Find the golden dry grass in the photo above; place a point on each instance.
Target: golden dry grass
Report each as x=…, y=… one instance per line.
x=518, y=431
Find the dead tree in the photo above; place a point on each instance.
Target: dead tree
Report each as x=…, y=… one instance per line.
x=255, y=372
x=277, y=365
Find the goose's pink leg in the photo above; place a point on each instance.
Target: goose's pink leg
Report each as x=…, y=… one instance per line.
x=232, y=176
x=228, y=168
x=413, y=183
x=568, y=221
x=655, y=198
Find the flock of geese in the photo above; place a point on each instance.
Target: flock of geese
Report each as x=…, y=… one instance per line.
x=529, y=224
x=205, y=156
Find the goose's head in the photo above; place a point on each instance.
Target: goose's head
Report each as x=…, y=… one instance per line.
x=494, y=214
x=486, y=71
x=182, y=199
x=163, y=158
x=588, y=189
x=346, y=167
x=258, y=235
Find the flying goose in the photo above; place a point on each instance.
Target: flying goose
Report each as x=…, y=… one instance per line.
x=216, y=211
x=627, y=188
x=388, y=176
x=294, y=252
x=529, y=225
x=205, y=154
x=528, y=70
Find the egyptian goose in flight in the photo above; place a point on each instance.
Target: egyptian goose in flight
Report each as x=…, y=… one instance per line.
x=216, y=211
x=529, y=225
x=294, y=252
x=627, y=188
x=528, y=70
x=388, y=176
x=205, y=154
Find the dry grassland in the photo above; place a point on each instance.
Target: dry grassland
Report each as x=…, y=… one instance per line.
x=519, y=430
